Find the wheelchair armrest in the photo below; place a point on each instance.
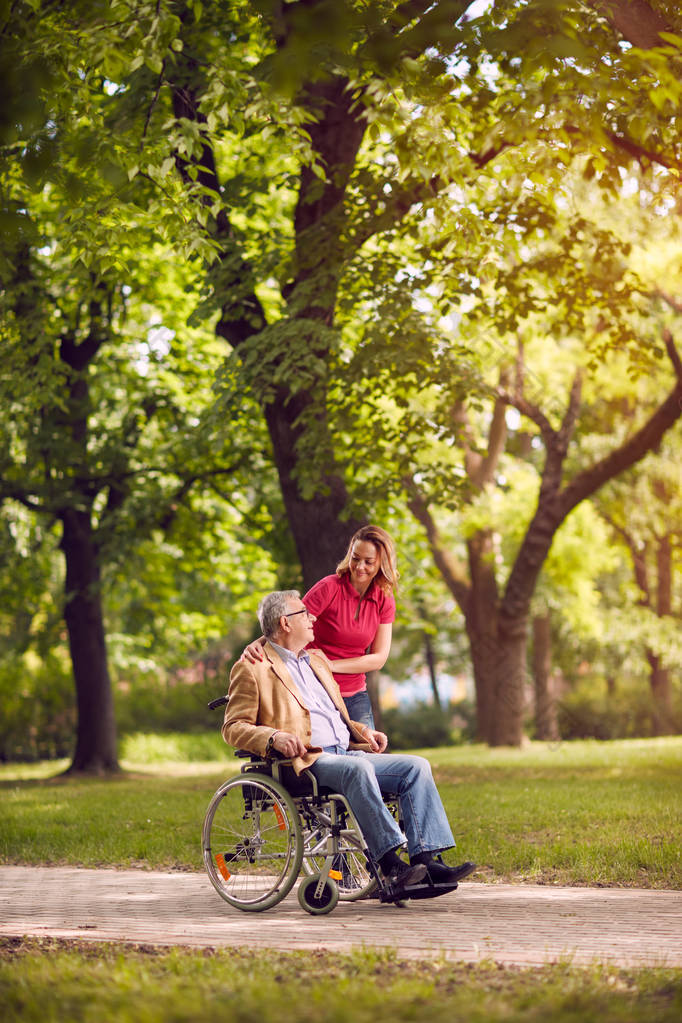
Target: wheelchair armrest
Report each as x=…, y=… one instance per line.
x=272, y=756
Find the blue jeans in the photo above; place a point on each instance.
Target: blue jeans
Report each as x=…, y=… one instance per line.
x=364, y=777
x=359, y=708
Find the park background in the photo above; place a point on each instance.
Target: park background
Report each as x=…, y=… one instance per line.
x=270, y=271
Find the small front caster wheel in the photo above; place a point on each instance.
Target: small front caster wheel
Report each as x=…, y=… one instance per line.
x=318, y=904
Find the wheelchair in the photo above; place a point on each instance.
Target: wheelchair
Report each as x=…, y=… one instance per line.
x=266, y=826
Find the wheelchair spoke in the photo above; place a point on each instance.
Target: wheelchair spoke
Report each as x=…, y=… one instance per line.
x=252, y=843
x=356, y=880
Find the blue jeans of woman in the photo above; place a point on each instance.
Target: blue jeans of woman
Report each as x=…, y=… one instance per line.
x=364, y=778
x=359, y=708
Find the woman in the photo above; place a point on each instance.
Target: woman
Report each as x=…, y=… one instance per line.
x=354, y=613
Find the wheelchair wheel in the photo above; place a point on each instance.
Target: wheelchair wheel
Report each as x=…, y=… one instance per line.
x=322, y=903
x=252, y=842
x=356, y=881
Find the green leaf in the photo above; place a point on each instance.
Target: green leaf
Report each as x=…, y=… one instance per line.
x=154, y=62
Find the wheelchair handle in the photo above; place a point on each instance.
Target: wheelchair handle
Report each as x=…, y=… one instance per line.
x=220, y=702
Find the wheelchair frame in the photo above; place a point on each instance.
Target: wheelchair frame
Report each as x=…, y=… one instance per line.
x=266, y=826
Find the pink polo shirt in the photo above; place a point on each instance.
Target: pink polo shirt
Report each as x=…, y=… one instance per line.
x=334, y=601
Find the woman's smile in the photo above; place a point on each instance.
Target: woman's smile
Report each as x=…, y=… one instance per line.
x=364, y=564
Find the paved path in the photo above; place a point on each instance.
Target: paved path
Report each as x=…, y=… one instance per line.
x=523, y=924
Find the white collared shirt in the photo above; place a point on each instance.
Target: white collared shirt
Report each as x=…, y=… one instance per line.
x=327, y=727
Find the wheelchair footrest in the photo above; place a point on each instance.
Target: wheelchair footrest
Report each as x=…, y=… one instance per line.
x=428, y=891
x=424, y=890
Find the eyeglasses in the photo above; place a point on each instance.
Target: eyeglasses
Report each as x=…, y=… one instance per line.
x=303, y=611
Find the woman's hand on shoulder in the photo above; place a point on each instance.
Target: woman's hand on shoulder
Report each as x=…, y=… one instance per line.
x=253, y=653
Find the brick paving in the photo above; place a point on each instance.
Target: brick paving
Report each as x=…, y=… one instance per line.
x=511, y=924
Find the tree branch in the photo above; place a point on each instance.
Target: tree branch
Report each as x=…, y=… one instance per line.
x=78, y=355
x=413, y=192
x=21, y=495
x=244, y=316
x=155, y=100
x=453, y=572
x=635, y=20
x=169, y=513
x=646, y=439
x=638, y=556
x=481, y=468
x=497, y=439
x=673, y=354
x=567, y=427
x=674, y=303
x=641, y=153
x=530, y=411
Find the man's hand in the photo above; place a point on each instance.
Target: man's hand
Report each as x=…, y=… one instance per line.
x=378, y=741
x=287, y=744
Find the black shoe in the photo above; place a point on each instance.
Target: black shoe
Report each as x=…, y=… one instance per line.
x=407, y=874
x=440, y=873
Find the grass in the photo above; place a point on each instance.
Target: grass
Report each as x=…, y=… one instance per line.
x=46, y=980
x=577, y=813
x=584, y=813
x=581, y=813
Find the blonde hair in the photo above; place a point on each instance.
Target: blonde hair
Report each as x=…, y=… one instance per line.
x=388, y=575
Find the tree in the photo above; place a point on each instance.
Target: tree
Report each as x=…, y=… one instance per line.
x=643, y=511
x=546, y=720
x=336, y=186
x=497, y=620
x=103, y=435
x=338, y=201
x=549, y=296
x=567, y=610
x=294, y=149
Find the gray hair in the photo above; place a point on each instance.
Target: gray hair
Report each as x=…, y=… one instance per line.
x=271, y=609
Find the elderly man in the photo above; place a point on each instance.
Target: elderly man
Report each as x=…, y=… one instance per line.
x=289, y=702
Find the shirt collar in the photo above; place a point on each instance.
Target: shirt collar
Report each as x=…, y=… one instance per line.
x=289, y=655
x=371, y=594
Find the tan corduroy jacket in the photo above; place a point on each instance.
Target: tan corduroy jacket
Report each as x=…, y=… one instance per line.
x=263, y=699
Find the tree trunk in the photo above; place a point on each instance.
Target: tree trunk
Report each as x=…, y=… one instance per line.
x=546, y=725
x=320, y=532
x=511, y=675
x=498, y=657
x=635, y=20
x=660, y=679
x=318, y=521
x=431, y=665
x=661, y=691
x=497, y=628
x=96, y=732
x=484, y=649
x=483, y=630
